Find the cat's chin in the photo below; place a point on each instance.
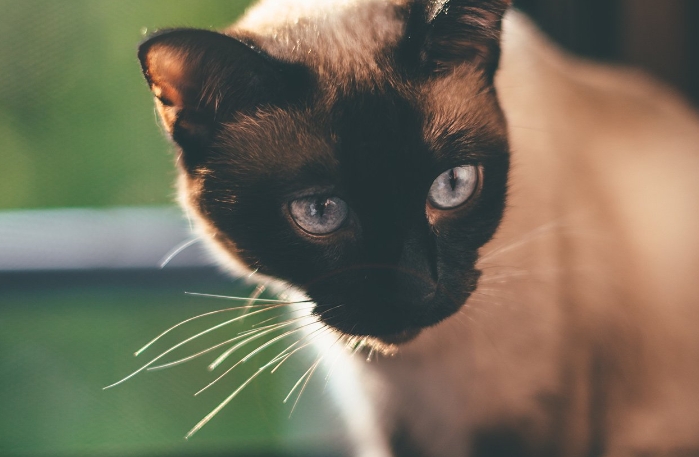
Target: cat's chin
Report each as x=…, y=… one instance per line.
x=385, y=322
x=399, y=338
x=387, y=345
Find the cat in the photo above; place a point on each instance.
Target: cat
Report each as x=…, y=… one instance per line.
x=512, y=229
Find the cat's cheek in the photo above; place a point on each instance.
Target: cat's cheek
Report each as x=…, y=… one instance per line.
x=439, y=218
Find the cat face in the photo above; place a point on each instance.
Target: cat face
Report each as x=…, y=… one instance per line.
x=368, y=180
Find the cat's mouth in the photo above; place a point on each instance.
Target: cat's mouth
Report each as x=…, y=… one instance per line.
x=391, y=323
x=403, y=337
x=391, y=312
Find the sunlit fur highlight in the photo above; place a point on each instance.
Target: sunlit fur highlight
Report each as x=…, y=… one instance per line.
x=581, y=337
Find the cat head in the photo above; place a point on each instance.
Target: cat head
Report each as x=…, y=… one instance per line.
x=356, y=151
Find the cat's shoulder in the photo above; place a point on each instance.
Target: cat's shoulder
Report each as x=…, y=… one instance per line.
x=538, y=78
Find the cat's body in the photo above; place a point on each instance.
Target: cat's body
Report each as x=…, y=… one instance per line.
x=584, y=339
x=581, y=338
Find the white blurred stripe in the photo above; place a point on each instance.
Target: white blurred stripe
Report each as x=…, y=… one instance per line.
x=76, y=239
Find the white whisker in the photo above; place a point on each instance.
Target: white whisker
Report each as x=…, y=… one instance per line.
x=228, y=399
x=220, y=359
x=257, y=300
x=334, y=363
x=212, y=348
x=368, y=357
x=298, y=383
x=303, y=388
x=219, y=311
x=259, y=290
x=226, y=354
x=272, y=341
x=286, y=357
x=256, y=326
x=359, y=345
x=249, y=356
x=259, y=329
x=176, y=251
x=209, y=330
x=527, y=238
x=285, y=354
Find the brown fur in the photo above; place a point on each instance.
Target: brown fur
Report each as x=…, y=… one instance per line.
x=580, y=339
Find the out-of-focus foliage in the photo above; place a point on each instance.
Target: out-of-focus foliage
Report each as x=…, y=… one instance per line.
x=77, y=128
x=76, y=119
x=61, y=342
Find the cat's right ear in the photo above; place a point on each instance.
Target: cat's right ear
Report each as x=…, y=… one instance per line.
x=202, y=78
x=443, y=34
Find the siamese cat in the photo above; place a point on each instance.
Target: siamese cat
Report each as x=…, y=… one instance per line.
x=510, y=233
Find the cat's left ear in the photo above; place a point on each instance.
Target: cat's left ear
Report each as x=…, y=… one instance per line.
x=454, y=32
x=201, y=79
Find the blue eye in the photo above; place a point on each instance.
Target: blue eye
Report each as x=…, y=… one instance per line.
x=319, y=215
x=453, y=187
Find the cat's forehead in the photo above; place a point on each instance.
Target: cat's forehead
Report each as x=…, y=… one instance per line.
x=340, y=40
x=389, y=130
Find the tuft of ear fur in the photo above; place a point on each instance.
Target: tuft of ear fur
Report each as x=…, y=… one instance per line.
x=448, y=33
x=202, y=78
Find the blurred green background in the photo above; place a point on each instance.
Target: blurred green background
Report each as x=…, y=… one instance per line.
x=62, y=340
x=77, y=126
x=78, y=129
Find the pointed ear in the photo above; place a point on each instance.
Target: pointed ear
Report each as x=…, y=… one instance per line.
x=458, y=31
x=202, y=78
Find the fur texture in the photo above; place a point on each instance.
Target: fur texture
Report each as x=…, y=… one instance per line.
x=577, y=336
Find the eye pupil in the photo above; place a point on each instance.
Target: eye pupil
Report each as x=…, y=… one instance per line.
x=320, y=206
x=319, y=215
x=453, y=179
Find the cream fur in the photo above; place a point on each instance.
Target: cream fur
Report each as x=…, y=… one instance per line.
x=597, y=257
x=595, y=262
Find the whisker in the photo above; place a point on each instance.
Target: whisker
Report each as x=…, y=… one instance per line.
x=264, y=300
x=285, y=354
x=334, y=362
x=176, y=251
x=212, y=348
x=264, y=327
x=303, y=388
x=272, y=341
x=527, y=238
x=298, y=383
x=255, y=326
x=209, y=330
x=484, y=291
x=187, y=211
x=504, y=276
x=286, y=357
x=311, y=334
x=249, y=356
x=228, y=399
x=219, y=311
x=226, y=354
x=368, y=357
x=524, y=127
x=359, y=345
x=274, y=360
x=220, y=359
x=259, y=290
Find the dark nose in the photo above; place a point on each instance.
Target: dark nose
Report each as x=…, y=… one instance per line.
x=402, y=269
